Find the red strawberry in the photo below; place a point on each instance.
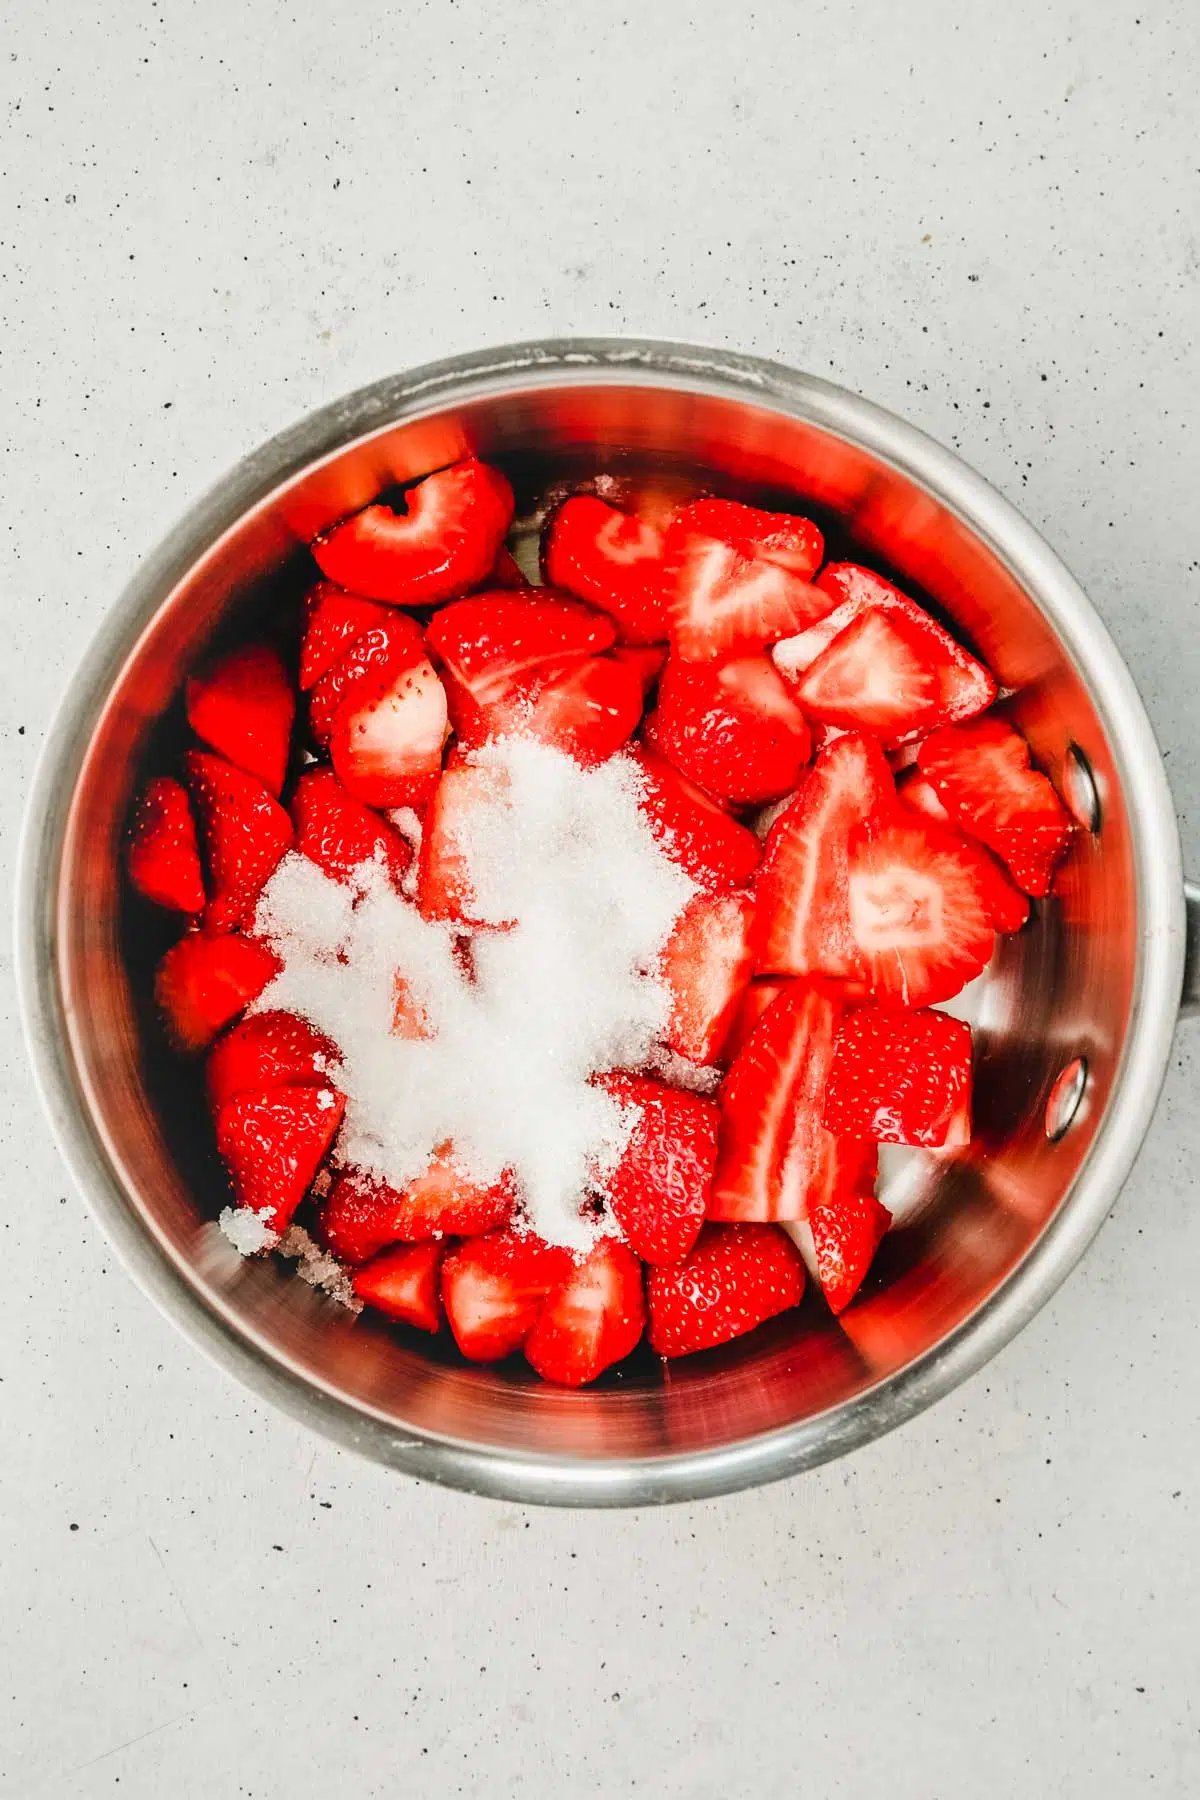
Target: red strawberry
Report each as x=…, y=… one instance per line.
x=732, y=728
x=362, y=1214
x=880, y=674
x=493, y=1288
x=592, y=1320
x=706, y=964
x=404, y=1284
x=920, y=796
x=1007, y=906
x=917, y=910
x=983, y=776
x=734, y=1278
x=444, y=889
x=202, y=982
x=801, y=924
x=273, y=1143
x=725, y=601
x=712, y=848
x=645, y=659
x=244, y=708
x=488, y=641
x=374, y=656
x=847, y=1230
x=388, y=736
x=507, y=572
x=333, y=619
x=244, y=833
x=899, y=1077
x=588, y=712
x=612, y=559
x=784, y=539
x=753, y=1004
x=268, y=1050
x=337, y=832
x=163, y=857
x=445, y=543
x=660, y=1186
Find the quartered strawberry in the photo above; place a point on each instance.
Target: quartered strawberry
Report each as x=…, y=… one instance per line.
x=363, y=1214
x=612, y=559
x=725, y=601
x=801, y=924
x=881, y=674
x=920, y=796
x=847, y=1230
x=591, y=1320
x=335, y=830
x=755, y=1000
x=659, y=1189
x=732, y=728
x=705, y=965
x=1007, y=906
x=374, y=656
x=506, y=572
x=333, y=619
x=163, y=856
x=244, y=707
x=404, y=1283
x=444, y=888
x=734, y=1278
x=645, y=659
x=388, y=736
x=269, y=1050
x=785, y=539
x=983, y=777
x=488, y=641
x=493, y=1288
x=588, y=712
x=244, y=833
x=445, y=543
x=917, y=911
x=204, y=981
x=899, y=1076
x=692, y=829
x=272, y=1144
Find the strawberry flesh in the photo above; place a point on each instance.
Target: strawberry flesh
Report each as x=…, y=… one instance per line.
x=706, y=964
x=404, y=1284
x=592, y=1320
x=444, y=887
x=733, y=728
x=204, y=981
x=388, y=736
x=983, y=777
x=612, y=559
x=1007, y=906
x=268, y=1050
x=493, y=1288
x=878, y=675
x=444, y=543
x=734, y=1278
x=692, y=829
x=898, y=1076
x=727, y=599
x=659, y=1189
x=244, y=833
x=335, y=830
x=373, y=657
x=362, y=1214
x=488, y=642
x=785, y=539
x=244, y=708
x=273, y=1143
x=163, y=854
x=917, y=910
x=333, y=620
x=846, y=1230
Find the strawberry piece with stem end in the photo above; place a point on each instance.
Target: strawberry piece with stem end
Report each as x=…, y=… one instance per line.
x=917, y=910
x=244, y=709
x=592, y=1320
x=445, y=543
x=404, y=1284
x=706, y=964
x=659, y=1188
x=785, y=539
x=983, y=776
x=244, y=833
x=734, y=1278
x=204, y=981
x=333, y=620
x=493, y=1288
x=898, y=1076
x=376, y=654
x=163, y=855
x=847, y=1230
x=726, y=599
x=388, y=736
x=272, y=1144
x=444, y=887
x=335, y=830
x=880, y=675
x=488, y=642
x=612, y=559
x=1007, y=906
x=732, y=728
x=692, y=829
x=268, y=1050
x=362, y=1214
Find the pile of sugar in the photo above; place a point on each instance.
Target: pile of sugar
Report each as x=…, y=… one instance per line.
x=567, y=990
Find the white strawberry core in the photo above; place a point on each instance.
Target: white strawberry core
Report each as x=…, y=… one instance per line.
x=625, y=540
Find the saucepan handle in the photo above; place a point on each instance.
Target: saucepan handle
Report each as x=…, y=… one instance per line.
x=1189, y=1005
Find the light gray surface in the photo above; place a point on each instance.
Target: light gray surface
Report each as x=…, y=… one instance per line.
x=213, y=217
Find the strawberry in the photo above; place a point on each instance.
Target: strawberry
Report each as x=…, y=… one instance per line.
x=801, y=925
x=784, y=539
x=493, y=1288
x=404, y=1283
x=847, y=1230
x=333, y=619
x=983, y=777
x=706, y=964
x=920, y=796
x=753, y=1004
x=375, y=655
x=244, y=709
x=877, y=675
x=645, y=659
x=445, y=543
x=917, y=910
x=660, y=1186
x=487, y=643
x=444, y=889
x=1007, y=906
x=244, y=832
x=732, y=728
x=588, y=712
x=725, y=598
x=272, y=1144
x=162, y=856
x=337, y=832
x=898, y=1076
x=708, y=845
x=202, y=982
x=734, y=1277
x=362, y=1214
x=507, y=572
x=612, y=559
x=268, y=1050
x=592, y=1320
x=388, y=736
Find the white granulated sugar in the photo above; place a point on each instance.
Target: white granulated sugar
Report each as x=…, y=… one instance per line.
x=567, y=991
x=247, y=1230
x=300, y=904
x=678, y=1072
x=318, y=1268
x=407, y=821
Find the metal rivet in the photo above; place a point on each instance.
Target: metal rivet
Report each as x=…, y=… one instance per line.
x=1079, y=789
x=1065, y=1097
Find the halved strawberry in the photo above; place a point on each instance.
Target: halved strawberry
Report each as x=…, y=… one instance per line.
x=1007, y=906
x=269, y=1050
x=920, y=796
x=734, y=1278
x=335, y=830
x=785, y=539
x=506, y=572
x=755, y=1000
x=489, y=641
x=724, y=603
x=163, y=856
x=732, y=728
x=333, y=619
x=880, y=674
x=272, y=1144
x=244, y=833
x=444, y=887
x=363, y=1214
x=706, y=964
x=588, y=712
x=373, y=657
x=388, y=737
x=493, y=1288
x=691, y=829
x=847, y=1230
x=244, y=708
x=983, y=776
x=899, y=1076
x=592, y=1320
x=445, y=543
x=801, y=925
x=202, y=982
x=645, y=659
x=917, y=911
x=659, y=1189
x=404, y=1283
x=613, y=559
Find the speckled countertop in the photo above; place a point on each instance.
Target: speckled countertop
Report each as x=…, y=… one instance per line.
x=216, y=216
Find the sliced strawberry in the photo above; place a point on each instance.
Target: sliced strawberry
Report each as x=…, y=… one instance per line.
x=898, y=1076
x=388, y=737
x=592, y=1320
x=819, y=1164
x=982, y=775
x=507, y=572
x=373, y=657
x=753, y=1004
x=847, y=1230
x=734, y=1277
x=801, y=924
x=269, y=1050
x=163, y=856
x=917, y=910
x=404, y=1283
x=362, y=1214
x=729, y=598
x=692, y=830
x=659, y=1189
x=493, y=1288
x=921, y=797
x=706, y=964
x=445, y=543
x=335, y=830
x=959, y=1130
x=272, y=1144
x=333, y=620
x=613, y=559
x=881, y=675
x=588, y=713
x=444, y=888
x=244, y=708
x=1007, y=906
x=732, y=728
x=489, y=642
x=645, y=659
x=202, y=982
x=244, y=833
x=788, y=541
